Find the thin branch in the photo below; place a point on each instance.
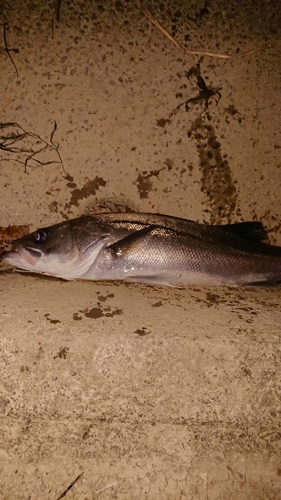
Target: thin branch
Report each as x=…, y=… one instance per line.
x=70, y=486
x=56, y=147
x=6, y=105
x=9, y=141
x=58, y=10
x=106, y=487
x=7, y=50
x=53, y=131
x=195, y=52
x=56, y=16
x=161, y=28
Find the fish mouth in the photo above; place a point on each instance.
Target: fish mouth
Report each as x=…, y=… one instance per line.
x=23, y=257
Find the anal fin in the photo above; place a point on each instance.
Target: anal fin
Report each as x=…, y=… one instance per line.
x=164, y=278
x=266, y=283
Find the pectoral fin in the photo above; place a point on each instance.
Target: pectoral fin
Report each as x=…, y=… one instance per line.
x=129, y=243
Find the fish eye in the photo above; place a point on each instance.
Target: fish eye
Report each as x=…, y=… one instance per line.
x=40, y=236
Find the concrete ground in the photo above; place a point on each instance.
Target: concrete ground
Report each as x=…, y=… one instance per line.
x=114, y=391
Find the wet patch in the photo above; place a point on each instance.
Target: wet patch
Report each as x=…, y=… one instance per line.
x=51, y=320
x=235, y=301
x=24, y=368
x=99, y=312
x=217, y=182
x=62, y=353
x=94, y=313
x=105, y=206
x=144, y=182
x=88, y=189
x=103, y=298
x=234, y=113
x=77, y=317
x=142, y=331
x=246, y=371
x=214, y=299
x=169, y=163
x=162, y=122
x=54, y=206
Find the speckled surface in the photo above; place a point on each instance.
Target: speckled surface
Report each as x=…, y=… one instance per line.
x=147, y=392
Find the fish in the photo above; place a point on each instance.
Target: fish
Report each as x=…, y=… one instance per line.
x=153, y=249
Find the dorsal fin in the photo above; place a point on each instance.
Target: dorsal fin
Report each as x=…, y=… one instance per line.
x=253, y=231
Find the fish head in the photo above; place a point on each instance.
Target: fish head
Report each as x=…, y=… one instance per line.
x=66, y=250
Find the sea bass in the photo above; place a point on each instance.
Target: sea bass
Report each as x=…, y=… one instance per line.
x=149, y=248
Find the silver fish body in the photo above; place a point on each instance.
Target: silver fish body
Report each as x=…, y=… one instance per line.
x=150, y=248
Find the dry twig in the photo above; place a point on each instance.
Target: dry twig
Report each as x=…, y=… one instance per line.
x=6, y=48
x=70, y=486
x=56, y=16
x=195, y=52
x=6, y=105
x=14, y=139
x=106, y=487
